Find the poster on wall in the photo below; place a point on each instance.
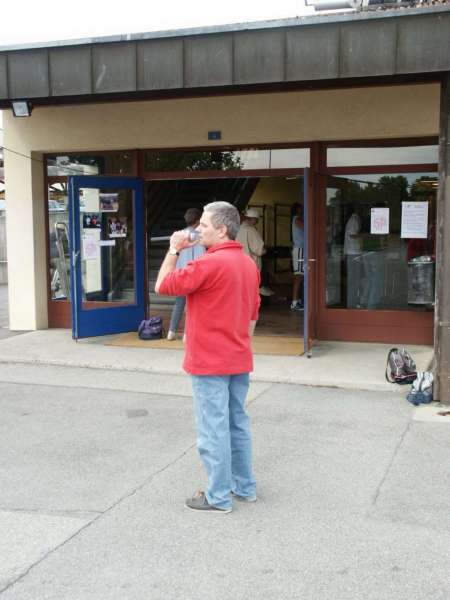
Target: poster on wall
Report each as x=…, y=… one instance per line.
x=91, y=255
x=117, y=227
x=109, y=202
x=379, y=221
x=89, y=201
x=90, y=246
x=414, y=220
x=91, y=221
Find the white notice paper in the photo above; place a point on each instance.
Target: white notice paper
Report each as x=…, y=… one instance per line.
x=379, y=220
x=91, y=199
x=90, y=247
x=414, y=220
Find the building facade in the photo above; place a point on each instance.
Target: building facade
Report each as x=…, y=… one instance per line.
x=345, y=114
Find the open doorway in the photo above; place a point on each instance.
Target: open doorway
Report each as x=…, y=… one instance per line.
x=274, y=200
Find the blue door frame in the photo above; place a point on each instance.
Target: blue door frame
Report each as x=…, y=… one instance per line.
x=92, y=319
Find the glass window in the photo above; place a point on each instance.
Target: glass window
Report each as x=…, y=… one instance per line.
x=107, y=246
x=58, y=221
x=289, y=158
x=405, y=155
x=226, y=160
x=103, y=163
x=371, y=262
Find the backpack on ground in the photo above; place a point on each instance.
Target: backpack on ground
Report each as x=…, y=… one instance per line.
x=400, y=367
x=151, y=329
x=422, y=389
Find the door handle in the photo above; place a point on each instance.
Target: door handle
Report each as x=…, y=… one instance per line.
x=75, y=256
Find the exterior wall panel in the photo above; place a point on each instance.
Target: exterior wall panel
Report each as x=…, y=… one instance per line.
x=160, y=64
x=28, y=74
x=368, y=49
x=114, y=67
x=424, y=44
x=70, y=71
x=259, y=57
x=302, y=49
x=209, y=61
x=3, y=77
x=312, y=53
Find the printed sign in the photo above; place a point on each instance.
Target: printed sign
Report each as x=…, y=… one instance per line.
x=379, y=221
x=90, y=247
x=90, y=200
x=117, y=227
x=414, y=220
x=109, y=202
x=91, y=221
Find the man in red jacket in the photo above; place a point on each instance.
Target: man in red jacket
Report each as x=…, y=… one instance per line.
x=221, y=288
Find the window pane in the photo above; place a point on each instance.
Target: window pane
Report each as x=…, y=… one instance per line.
x=226, y=160
x=58, y=221
x=289, y=158
x=215, y=160
x=107, y=246
x=407, y=155
x=106, y=163
x=371, y=266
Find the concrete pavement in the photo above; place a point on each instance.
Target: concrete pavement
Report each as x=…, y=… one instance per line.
x=4, y=314
x=334, y=364
x=354, y=494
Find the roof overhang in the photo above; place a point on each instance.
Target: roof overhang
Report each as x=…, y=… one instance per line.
x=309, y=50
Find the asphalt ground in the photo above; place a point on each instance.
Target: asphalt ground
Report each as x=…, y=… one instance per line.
x=354, y=494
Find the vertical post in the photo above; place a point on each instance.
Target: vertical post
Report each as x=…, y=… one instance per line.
x=306, y=307
x=26, y=237
x=442, y=307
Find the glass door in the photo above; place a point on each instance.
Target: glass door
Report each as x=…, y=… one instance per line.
x=107, y=254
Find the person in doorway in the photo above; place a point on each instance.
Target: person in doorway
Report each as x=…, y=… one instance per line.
x=222, y=309
x=298, y=240
x=252, y=242
x=192, y=219
x=353, y=257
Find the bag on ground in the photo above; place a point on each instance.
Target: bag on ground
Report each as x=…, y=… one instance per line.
x=400, y=367
x=151, y=329
x=422, y=389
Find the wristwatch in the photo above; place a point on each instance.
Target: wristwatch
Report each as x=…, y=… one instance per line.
x=174, y=252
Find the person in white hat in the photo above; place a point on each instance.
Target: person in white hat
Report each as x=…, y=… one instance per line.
x=252, y=242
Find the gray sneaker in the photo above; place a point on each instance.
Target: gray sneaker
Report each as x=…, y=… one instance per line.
x=200, y=502
x=245, y=498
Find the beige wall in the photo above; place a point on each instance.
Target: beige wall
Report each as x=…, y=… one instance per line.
x=383, y=112
x=358, y=113
x=26, y=238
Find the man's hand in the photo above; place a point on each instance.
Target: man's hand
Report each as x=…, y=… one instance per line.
x=179, y=240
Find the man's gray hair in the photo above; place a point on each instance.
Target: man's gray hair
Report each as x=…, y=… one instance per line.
x=224, y=213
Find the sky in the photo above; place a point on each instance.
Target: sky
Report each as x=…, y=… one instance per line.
x=49, y=20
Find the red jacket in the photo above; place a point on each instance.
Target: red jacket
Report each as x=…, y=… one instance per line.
x=222, y=290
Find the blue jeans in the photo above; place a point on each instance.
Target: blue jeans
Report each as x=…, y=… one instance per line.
x=177, y=312
x=223, y=436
